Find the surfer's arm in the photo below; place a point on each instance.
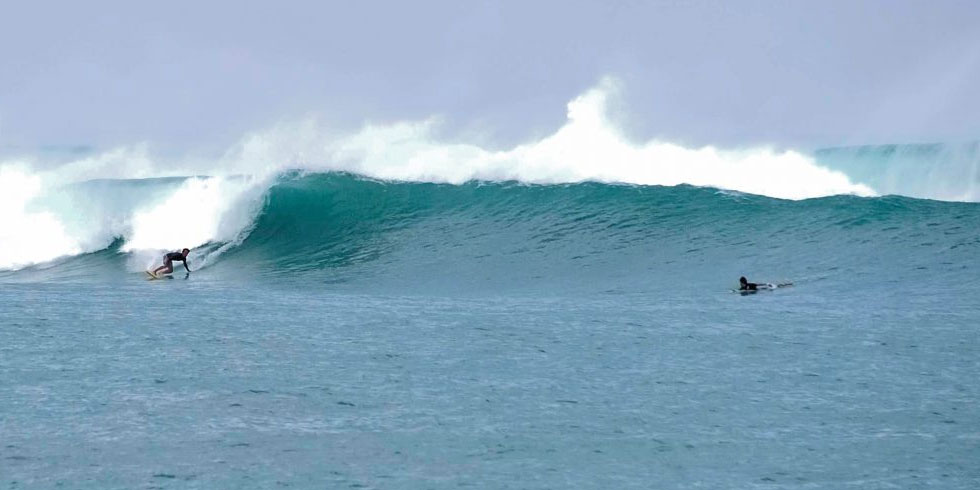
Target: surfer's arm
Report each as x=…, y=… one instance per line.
x=185, y=266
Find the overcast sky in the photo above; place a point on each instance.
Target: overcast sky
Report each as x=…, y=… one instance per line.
x=184, y=76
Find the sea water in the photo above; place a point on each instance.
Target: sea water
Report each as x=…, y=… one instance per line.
x=363, y=333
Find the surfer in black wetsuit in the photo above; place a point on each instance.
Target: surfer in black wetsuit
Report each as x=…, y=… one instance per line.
x=168, y=265
x=745, y=285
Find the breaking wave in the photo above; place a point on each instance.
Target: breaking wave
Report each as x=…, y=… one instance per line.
x=284, y=186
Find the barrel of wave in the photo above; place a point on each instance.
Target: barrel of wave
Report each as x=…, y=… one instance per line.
x=205, y=214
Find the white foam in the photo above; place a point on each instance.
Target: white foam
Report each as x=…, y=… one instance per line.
x=202, y=210
x=588, y=147
x=28, y=236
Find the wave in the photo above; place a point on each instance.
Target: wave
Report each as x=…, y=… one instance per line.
x=354, y=231
x=84, y=202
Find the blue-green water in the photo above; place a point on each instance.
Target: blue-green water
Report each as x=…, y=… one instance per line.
x=370, y=334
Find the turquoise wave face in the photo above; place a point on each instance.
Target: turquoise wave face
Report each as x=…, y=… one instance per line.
x=353, y=232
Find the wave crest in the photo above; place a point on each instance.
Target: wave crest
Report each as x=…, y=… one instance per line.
x=588, y=147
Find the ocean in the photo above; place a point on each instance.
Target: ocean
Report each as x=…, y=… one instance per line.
x=362, y=328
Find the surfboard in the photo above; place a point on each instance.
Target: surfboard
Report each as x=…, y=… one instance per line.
x=158, y=276
x=152, y=276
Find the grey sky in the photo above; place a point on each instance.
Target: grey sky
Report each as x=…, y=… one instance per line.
x=186, y=76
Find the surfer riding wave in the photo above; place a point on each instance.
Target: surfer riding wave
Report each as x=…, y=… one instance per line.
x=168, y=261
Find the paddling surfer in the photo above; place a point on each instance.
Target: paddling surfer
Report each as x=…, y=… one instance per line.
x=745, y=285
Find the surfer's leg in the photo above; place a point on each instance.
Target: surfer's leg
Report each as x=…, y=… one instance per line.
x=167, y=267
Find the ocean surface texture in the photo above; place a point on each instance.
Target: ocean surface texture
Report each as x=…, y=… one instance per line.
x=340, y=329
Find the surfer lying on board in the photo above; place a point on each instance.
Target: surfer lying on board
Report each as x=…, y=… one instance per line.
x=168, y=261
x=745, y=285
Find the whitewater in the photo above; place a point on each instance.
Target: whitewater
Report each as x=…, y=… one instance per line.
x=398, y=308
